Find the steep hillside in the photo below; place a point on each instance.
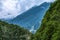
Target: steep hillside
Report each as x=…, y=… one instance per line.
x=13, y=32
x=50, y=27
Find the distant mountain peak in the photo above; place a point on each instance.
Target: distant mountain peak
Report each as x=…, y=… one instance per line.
x=31, y=17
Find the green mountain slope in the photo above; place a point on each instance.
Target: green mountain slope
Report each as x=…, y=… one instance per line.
x=50, y=27
x=13, y=32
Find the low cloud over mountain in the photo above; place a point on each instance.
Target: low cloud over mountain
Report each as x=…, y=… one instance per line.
x=12, y=8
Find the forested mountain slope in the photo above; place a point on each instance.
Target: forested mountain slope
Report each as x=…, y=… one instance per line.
x=13, y=32
x=50, y=27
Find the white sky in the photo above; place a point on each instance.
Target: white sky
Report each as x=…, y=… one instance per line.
x=12, y=8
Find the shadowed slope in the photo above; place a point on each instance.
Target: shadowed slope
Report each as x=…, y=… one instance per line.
x=32, y=17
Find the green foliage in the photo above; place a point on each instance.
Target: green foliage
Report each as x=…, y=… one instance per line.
x=13, y=32
x=50, y=27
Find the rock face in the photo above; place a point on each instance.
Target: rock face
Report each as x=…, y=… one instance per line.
x=50, y=27
x=13, y=32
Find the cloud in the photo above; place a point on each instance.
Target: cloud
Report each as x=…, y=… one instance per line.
x=49, y=0
x=12, y=8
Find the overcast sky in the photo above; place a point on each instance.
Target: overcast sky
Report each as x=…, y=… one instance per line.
x=12, y=8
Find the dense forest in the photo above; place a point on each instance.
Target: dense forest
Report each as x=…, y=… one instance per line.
x=50, y=27
x=13, y=32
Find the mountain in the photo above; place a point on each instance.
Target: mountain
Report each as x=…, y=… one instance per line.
x=31, y=19
x=50, y=27
x=13, y=32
